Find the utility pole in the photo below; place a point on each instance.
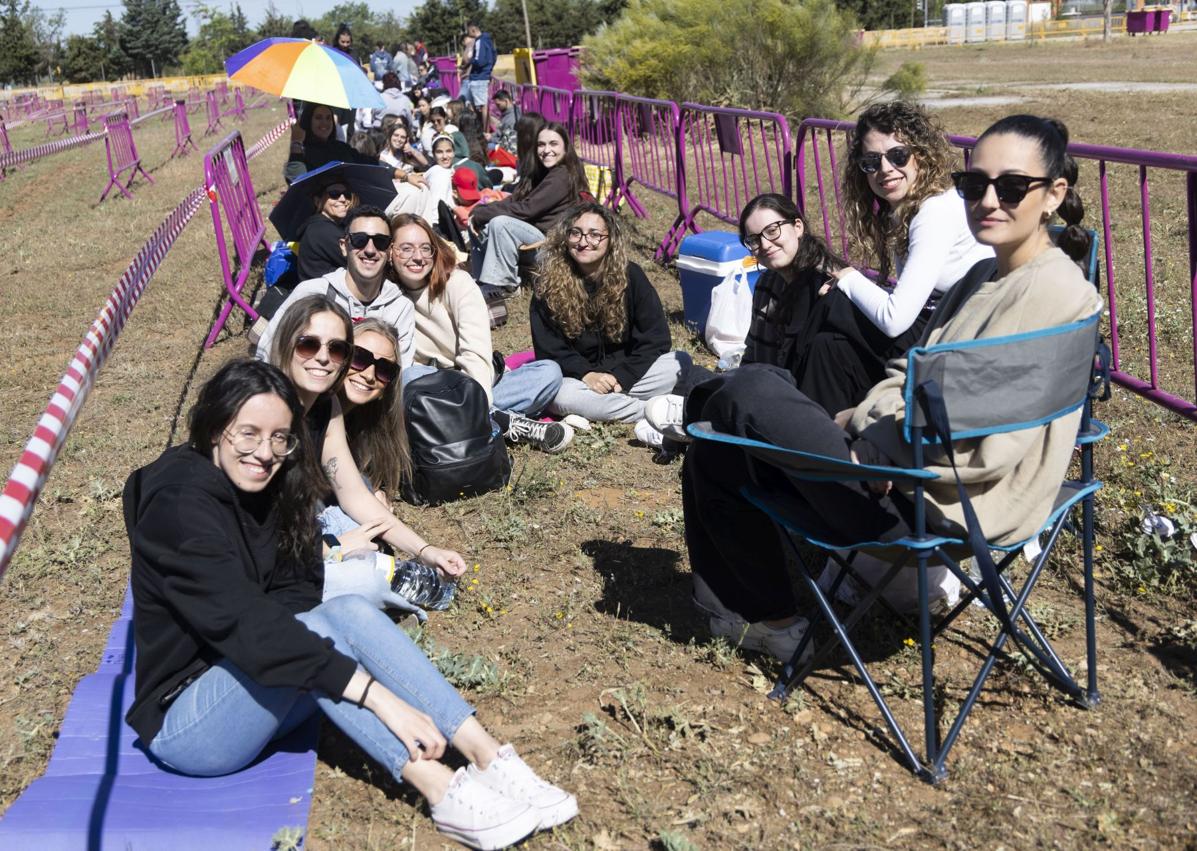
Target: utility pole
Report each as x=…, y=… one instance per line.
x=527, y=26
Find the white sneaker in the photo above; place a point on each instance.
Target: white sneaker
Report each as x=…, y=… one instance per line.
x=648, y=435
x=479, y=817
x=511, y=777
x=943, y=588
x=576, y=422
x=666, y=414
x=778, y=642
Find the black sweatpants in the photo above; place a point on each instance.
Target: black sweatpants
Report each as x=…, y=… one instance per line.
x=734, y=547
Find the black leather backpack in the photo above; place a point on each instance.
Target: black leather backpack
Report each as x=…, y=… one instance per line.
x=454, y=450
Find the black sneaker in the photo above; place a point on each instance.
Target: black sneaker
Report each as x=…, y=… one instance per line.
x=422, y=586
x=547, y=437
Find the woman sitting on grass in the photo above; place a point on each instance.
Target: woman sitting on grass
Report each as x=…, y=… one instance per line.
x=453, y=332
x=236, y=649
x=1019, y=178
x=597, y=315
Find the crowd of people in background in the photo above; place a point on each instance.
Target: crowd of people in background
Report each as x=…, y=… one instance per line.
x=256, y=584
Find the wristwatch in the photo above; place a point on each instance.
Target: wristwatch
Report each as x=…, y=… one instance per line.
x=332, y=541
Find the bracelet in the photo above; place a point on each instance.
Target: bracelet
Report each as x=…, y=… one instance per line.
x=361, y=701
x=421, y=552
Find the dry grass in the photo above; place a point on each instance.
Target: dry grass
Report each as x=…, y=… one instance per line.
x=605, y=678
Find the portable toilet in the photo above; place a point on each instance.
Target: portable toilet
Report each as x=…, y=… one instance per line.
x=995, y=20
x=974, y=22
x=953, y=17
x=1016, y=20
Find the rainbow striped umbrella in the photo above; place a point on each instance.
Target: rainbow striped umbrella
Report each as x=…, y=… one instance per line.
x=298, y=68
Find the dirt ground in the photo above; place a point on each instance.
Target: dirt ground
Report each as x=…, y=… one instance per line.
x=575, y=634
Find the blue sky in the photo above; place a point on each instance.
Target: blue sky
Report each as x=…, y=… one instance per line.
x=81, y=15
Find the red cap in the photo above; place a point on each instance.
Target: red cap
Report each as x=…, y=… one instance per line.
x=466, y=184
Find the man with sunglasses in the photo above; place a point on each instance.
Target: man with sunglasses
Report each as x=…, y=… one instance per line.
x=361, y=287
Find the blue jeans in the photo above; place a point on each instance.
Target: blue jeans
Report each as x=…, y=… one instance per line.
x=479, y=91
x=495, y=256
x=527, y=390
x=222, y=721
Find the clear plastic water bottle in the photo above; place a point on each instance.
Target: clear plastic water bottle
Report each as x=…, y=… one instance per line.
x=422, y=585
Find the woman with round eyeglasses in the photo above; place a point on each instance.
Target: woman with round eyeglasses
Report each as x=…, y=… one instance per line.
x=453, y=332
x=1019, y=178
x=236, y=648
x=321, y=234
x=900, y=207
x=313, y=345
x=551, y=181
x=596, y=315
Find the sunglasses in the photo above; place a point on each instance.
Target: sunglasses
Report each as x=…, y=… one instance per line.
x=358, y=239
x=385, y=369
x=898, y=156
x=336, y=194
x=308, y=347
x=1010, y=188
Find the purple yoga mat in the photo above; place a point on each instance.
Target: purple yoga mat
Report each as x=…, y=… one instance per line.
x=101, y=791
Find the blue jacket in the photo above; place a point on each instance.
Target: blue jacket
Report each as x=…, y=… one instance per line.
x=484, y=58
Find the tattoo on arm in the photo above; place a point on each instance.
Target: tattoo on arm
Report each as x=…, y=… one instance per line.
x=330, y=470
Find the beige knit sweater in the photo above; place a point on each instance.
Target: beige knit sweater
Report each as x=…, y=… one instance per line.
x=1011, y=478
x=453, y=331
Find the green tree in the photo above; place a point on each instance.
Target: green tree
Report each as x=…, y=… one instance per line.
x=152, y=34
x=554, y=23
x=82, y=59
x=440, y=23
x=220, y=36
x=368, y=27
x=19, y=54
x=114, y=62
x=797, y=57
x=274, y=23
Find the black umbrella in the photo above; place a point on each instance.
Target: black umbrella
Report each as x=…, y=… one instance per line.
x=373, y=184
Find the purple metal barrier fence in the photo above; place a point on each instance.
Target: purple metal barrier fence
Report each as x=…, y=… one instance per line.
x=447, y=67
x=649, y=155
x=553, y=104
x=1136, y=325
x=222, y=92
x=182, y=131
x=594, y=128
x=732, y=155
x=122, y=154
x=195, y=99
x=227, y=181
x=5, y=145
x=131, y=107
x=57, y=119
x=525, y=96
x=214, y=123
x=237, y=110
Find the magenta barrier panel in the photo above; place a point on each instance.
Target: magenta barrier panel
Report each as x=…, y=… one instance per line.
x=525, y=96
x=594, y=128
x=446, y=66
x=229, y=188
x=80, y=124
x=222, y=91
x=5, y=145
x=122, y=155
x=195, y=99
x=183, y=140
x=730, y=157
x=1163, y=307
x=553, y=104
x=648, y=144
x=214, y=122
x=58, y=120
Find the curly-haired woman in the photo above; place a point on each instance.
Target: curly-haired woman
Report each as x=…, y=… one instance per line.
x=902, y=208
x=596, y=314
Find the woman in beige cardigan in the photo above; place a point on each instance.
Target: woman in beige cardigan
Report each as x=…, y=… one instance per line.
x=1019, y=178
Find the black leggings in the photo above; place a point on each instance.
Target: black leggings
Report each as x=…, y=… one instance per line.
x=734, y=547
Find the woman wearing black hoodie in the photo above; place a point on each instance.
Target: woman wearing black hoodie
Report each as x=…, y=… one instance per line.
x=235, y=648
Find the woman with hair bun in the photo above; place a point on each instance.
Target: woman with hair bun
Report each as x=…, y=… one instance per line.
x=1019, y=177
x=901, y=208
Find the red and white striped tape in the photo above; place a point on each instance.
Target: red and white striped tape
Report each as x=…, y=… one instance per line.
x=29, y=475
x=38, y=151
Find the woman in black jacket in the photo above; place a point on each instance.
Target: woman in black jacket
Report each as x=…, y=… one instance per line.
x=596, y=314
x=235, y=649
x=321, y=234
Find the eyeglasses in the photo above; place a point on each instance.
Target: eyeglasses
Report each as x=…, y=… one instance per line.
x=246, y=442
x=336, y=194
x=385, y=369
x=898, y=156
x=1010, y=188
x=592, y=237
x=358, y=239
x=308, y=347
x=770, y=232
x=406, y=250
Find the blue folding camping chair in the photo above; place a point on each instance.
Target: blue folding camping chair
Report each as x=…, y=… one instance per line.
x=954, y=392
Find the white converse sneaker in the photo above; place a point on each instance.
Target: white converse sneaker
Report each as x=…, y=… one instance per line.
x=479, y=817
x=577, y=422
x=511, y=777
x=778, y=642
x=665, y=414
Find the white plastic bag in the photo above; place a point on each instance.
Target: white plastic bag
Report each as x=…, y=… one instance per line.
x=731, y=313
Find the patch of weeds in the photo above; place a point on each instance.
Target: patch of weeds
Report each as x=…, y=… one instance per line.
x=671, y=840
x=596, y=742
x=464, y=670
x=592, y=445
x=287, y=839
x=532, y=484
x=718, y=652
x=671, y=520
x=1053, y=622
x=507, y=529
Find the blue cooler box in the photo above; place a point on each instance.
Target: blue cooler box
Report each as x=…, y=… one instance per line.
x=703, y=261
